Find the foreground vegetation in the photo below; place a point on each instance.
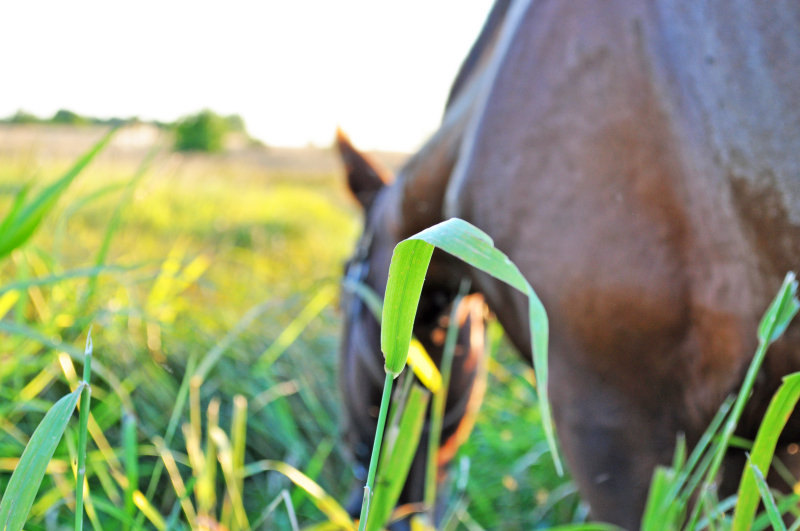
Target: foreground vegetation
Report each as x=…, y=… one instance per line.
x=212, y=298
x=213, y=307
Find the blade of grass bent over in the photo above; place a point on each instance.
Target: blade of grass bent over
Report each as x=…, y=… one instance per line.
x=407, y=270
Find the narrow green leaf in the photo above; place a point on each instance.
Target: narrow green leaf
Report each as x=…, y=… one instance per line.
x=239, y=437
x=406, y=274
x=292, y=331
x=82, y=272
x=24, y=483
x=589, y=526
x=83, y=432
x=324, y=501
x=780, y=312
x=386, y=397
x=774, y=322
x=398, y=454
x=781, y=406
x=22, y=221
x=660, y=510
x=131, y=453
x=766, y=496
x=16, y=208
x=407, y=270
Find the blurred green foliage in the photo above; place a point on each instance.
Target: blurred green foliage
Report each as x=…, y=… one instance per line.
x=23, y=117
x=204, y=131
x=65, y=117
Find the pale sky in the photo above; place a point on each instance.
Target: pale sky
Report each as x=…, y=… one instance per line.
x=294, y=70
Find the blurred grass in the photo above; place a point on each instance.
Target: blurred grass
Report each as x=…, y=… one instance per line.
x=206, y=256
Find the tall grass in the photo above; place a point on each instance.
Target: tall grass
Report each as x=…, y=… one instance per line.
x=215, y=331
x=165, y=268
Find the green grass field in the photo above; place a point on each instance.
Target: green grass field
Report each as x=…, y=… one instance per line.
x=226, y=270
x=210, y=285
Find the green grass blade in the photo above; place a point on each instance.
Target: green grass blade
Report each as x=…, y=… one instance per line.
x=774, y=514
x=777, y=317
x=376, y=450
x=233, y=478
x=780, y=313
x=239, y=437
x=16, y=207
x=83, y=432
x=131, y=451
x=407, y=271
x=324, y=501
x=781, y=406
x=24, y=483
x=313, y=469
x=589, y=526
x=659, y=510
x=82, y=272
x=290, y=334
x=399, y=450
x=22, y=221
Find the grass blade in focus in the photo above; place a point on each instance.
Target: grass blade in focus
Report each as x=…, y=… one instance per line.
x=24, y=483
x=407, y=270
x=406, y=275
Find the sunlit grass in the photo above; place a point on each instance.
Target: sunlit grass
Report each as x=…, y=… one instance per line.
x=211, y=285
x=190, y=257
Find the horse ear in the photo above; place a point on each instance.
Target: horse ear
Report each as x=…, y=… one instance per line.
x=365, y=176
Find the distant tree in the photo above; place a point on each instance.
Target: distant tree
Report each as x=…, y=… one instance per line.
x=115, y=121
x=236, y=123
x=22, y=117
x=204, y=131
x=63, y=116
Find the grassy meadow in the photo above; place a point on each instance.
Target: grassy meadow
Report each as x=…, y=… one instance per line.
x=210, y=283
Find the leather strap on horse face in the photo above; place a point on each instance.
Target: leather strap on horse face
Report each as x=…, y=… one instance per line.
x=356, y=274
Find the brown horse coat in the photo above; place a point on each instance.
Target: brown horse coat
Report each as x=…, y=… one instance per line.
x=640, y=162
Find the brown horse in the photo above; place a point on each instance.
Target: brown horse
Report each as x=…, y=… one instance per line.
x=640, y=162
